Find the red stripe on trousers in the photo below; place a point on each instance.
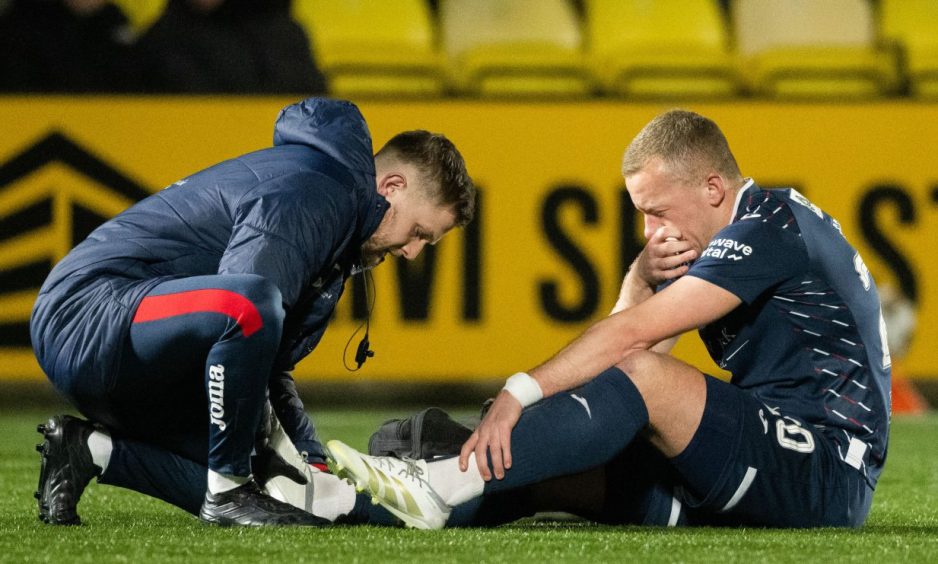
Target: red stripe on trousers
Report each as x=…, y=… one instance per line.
x=229, y=303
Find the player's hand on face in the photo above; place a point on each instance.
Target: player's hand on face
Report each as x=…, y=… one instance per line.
x=666, y=256
x=493, y=437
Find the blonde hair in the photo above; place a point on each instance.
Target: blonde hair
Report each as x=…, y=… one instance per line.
x=689, y=144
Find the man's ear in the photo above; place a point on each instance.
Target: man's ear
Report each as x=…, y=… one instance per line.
x=716, y=189
x=391, y=182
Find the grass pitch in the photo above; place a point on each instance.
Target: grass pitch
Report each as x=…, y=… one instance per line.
x=123, y=526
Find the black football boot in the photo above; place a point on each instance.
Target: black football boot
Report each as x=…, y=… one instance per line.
x=247, y=505
x=66, y=468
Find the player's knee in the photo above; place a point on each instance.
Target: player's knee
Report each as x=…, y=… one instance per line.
x=263, y=296
x=652, y=373
x=641, y=365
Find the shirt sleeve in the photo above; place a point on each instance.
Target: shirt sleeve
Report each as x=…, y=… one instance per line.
x=749, y=257
x=287, y=231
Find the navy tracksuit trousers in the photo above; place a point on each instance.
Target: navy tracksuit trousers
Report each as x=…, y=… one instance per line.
x=191, y=386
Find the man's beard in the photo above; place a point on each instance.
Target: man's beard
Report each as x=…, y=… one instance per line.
x=375, y=247
x=371, y=259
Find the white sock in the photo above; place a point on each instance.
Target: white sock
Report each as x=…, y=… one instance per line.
x=452, y=484
x=100, y=446
x=332, y=496
x=218, y=483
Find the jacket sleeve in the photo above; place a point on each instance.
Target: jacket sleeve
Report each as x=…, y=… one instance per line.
x=287, y=230
x=288, y=407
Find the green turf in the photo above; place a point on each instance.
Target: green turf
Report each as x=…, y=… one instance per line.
x=123, y=526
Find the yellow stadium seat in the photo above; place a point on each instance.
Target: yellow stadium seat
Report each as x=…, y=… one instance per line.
x=369, y=48
x=510, y=48
x=643, y=48
x=820, y=49
x=913, y=26
x=141, y=13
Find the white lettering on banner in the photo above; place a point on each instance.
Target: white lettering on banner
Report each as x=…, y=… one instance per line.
x=727, y=248
x=216, y=394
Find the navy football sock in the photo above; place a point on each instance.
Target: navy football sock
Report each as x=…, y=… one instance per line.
x=482, y=511
x=492, y=510
x=158, y=473
x=574, y=431
x=366, y=512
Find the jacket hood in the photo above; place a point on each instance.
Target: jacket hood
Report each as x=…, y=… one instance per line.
x=338, y=129
x=335, y=127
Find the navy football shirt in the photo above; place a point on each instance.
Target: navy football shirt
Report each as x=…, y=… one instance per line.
x=808, y=338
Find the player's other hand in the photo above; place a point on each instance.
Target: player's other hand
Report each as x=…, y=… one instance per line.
x=493, y=438
x=666, y=256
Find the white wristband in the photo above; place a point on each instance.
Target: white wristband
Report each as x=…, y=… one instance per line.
x=524, y=388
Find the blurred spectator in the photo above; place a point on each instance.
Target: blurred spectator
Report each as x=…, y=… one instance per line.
x=65, y=46
x=229, y=46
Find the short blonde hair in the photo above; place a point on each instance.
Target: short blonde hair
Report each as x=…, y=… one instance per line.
x=687, y=142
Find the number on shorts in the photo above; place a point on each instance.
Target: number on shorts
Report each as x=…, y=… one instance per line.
x=793, y=437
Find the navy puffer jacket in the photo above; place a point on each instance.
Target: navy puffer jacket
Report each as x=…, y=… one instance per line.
x=296, y=213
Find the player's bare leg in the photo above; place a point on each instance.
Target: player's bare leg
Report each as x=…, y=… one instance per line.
x=675, y=394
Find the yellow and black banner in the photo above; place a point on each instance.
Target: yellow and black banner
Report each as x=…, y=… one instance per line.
x=555, y=228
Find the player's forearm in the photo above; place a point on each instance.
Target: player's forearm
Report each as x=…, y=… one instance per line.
x=684, y=305
x=603, y=345
x=634, y=291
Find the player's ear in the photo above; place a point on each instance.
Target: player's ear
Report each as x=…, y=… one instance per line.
x=391, y=182
x=716, y=189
